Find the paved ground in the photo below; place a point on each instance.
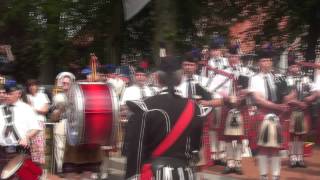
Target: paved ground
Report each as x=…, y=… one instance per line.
x=250, y=170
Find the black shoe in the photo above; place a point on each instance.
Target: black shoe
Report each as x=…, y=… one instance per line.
x=293, y=164
x=275, y=177
x=219, y=163
x=238, y=171
x=223, y=163
x=263, y=177
x=301, y=164
x=227, y=170
x=254, y=152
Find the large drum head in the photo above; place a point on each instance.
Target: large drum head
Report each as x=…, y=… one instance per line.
x=12, y=167
x=92, y=114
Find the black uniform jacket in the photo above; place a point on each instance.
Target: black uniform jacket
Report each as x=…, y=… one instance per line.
x=151, y=121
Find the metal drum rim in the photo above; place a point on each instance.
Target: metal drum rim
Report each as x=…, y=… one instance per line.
x=15, y=169
x=80, y=112
x=115, y=115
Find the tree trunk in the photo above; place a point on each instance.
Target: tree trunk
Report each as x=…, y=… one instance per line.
x=49, y=65
x=165, y=26
x=313, y=35
x=114, y=41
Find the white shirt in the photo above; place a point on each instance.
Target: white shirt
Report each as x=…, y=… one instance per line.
x=196, y=79
x=315, y=86
x=220, y=86
x=257, y=84
x=219, y=63
x=134, y=92
x=38, y=101
x=24, y=120
x=117, y=84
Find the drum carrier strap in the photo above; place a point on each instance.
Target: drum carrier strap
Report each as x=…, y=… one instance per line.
x=9, y=126
x=179, y=127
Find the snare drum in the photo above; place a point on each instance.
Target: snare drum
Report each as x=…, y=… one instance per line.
x=92, y=114
x=23, y=167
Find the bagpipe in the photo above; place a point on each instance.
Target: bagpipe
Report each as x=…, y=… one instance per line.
x=234, y=125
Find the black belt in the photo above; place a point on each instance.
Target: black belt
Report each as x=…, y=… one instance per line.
x=13, y=149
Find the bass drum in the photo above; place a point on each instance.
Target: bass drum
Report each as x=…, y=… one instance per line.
x=92, y=114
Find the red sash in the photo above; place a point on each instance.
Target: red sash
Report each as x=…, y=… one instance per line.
x=181, y=124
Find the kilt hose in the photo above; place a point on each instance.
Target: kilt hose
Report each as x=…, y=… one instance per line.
x=256, y=121
x=217, y=136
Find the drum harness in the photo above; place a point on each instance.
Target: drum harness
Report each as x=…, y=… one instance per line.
x=10, y=128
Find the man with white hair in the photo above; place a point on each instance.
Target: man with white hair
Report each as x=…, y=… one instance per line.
x=63, y=84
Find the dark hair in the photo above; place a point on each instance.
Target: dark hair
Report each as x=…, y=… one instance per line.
x=32, y=82
x=169, y=79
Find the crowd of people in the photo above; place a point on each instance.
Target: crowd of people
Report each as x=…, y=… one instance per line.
x=198, y=109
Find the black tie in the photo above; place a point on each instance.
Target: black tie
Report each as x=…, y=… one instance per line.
x=218, y=63
x=189, y=89
x=269, y=89
x=9, y=126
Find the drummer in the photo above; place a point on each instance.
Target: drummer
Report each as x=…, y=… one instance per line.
x=18, y=124
x=63, y=84
x=75, y=159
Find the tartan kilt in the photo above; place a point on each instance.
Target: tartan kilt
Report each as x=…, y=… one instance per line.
x=285, y=125
x=37, y=148
x=256, y=121
x=246, y=120
x=219, y=126
x=253, y=129
x=206, y=144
